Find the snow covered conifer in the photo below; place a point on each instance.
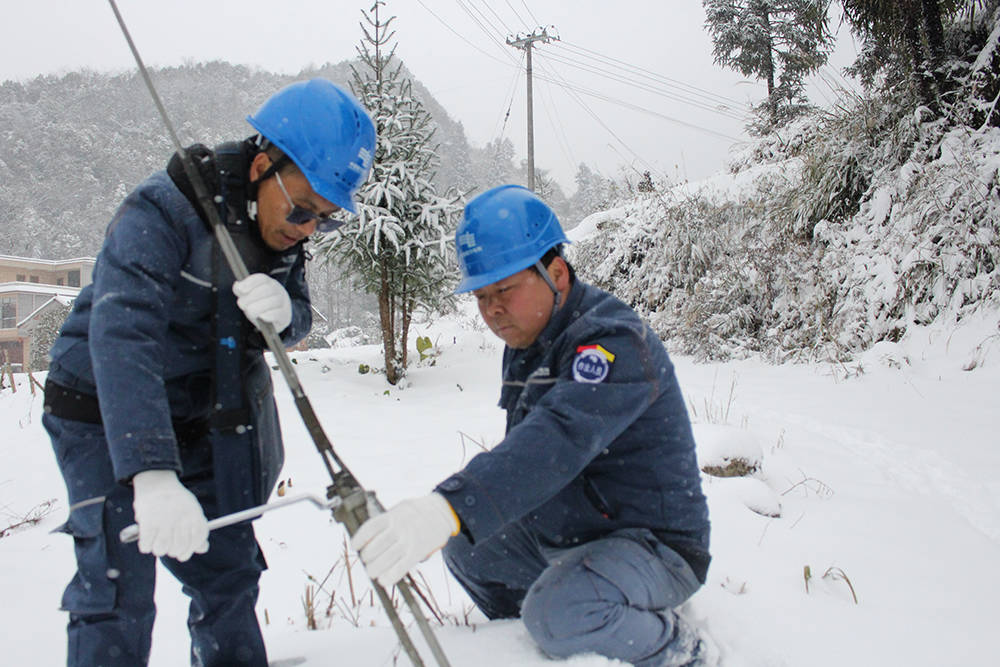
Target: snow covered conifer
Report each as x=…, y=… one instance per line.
x=397, y=248
x=906, y=33
x=593, y=193
x=779, y=41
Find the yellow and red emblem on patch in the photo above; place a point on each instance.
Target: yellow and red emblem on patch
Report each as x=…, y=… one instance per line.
x=592, y=364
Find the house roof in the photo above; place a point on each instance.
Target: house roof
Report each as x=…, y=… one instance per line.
x=38, y=288
x=47, y=263
x=60, y=299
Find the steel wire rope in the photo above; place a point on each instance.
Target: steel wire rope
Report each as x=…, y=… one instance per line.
x=722, y=111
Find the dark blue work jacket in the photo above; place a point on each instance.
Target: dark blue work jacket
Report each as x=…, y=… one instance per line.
x=146, y=335
x=598, y=438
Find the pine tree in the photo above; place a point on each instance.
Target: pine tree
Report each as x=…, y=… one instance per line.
x=496, y=164
x=397, y=248
x=778, y=41
x=593, y=193
x=910, y=30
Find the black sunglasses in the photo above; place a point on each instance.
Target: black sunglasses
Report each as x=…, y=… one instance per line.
x=301, y=216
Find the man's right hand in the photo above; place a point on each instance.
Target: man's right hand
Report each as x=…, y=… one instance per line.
x=170, y=519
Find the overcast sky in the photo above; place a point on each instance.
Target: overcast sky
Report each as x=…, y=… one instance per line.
x=627, y=84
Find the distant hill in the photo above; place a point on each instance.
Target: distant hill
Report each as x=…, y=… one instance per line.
x=74, y=145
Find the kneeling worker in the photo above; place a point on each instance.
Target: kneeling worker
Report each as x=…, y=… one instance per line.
x=588, y=520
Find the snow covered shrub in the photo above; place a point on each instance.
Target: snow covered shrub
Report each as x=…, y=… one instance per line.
x=44, y=332
x=976, y=35
x=691, y=268
x=927, y=242
x=879, y=222
x=316, y=340
x=835, y=174
x=840, y=230
x=777, y=146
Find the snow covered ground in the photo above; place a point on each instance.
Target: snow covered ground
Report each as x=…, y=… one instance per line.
x=882, y=476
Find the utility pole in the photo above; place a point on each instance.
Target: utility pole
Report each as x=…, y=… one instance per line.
x=526, y=43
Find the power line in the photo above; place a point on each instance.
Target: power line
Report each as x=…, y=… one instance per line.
x=537, y=22
x=590, y=111
x=498, y=17
x=482, y=19
x=483, y=28
x=687, y=94
x=660, y=85
x=594, y=55
x=632, y=105
x=723, y=111
x=523, y=22
x=510, y=104
x=460, y=35
x=563, y=141
x=607, y=98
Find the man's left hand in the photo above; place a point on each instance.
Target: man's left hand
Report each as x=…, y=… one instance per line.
x=263, y=299
x=390, y=544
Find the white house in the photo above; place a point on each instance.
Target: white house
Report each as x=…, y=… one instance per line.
x=28, y=289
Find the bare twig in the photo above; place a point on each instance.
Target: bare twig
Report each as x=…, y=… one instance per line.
x=32, y=517
x=836, y=573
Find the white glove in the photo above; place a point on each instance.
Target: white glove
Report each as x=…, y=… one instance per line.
x=263, y=299
x=392, y=543
x=170, y=519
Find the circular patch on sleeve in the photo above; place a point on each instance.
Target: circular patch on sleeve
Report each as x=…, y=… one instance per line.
x=590, y=365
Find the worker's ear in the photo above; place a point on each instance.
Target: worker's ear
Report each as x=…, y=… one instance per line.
x=261, y=162
x=559, y=272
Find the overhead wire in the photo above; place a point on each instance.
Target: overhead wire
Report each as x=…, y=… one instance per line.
x=560, y=132
x=510, y=104
x=530, y=13
x=526, y=24
x=498, y=17
x=646, y=73
x=471, y=9
x=460, y=35
x=643, y=109
x=488, y=34
x=660, y=84
x=626, y=80
x=557, y=79
x=631, y=105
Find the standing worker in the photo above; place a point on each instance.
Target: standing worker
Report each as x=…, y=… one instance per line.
x=158, y=400
x=588, y=520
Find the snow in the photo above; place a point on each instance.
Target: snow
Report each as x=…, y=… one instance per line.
x=882, y=473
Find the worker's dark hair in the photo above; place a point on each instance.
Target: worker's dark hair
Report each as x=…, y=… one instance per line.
x=551, y=254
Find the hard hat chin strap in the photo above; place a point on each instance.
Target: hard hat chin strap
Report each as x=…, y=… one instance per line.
x=544, y=272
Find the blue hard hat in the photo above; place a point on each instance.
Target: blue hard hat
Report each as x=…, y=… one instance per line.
x=503, y=230
x=325, y=132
